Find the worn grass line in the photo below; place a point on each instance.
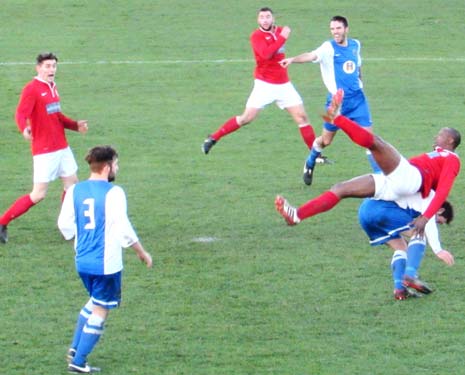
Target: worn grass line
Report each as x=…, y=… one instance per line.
x=230, y=61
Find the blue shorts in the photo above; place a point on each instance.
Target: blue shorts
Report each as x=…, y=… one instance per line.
x=354, y=107
x=384, y=220
x=104, y=290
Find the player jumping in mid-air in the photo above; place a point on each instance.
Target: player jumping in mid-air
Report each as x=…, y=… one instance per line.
x=271, y=83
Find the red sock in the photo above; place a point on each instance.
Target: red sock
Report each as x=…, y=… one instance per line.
x=228, y=127
x=359, y=135
x=308, y=134
x=18, y=208
x=320, y=204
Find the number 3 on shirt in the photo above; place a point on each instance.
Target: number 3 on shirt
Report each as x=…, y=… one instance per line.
x=90, y=213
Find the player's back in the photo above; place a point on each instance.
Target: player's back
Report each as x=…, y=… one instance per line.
x=436, y=167
x=90, y=205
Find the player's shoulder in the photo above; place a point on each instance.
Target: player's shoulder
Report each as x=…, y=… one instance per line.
x=326, y=46
x=256, y=33
x=116, y=190
x=32, y=85
x=447, y=153
x=354, y=42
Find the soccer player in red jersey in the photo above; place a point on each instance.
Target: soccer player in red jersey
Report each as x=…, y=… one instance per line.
x=40, y=120
x=434, y=170
x=271, y=83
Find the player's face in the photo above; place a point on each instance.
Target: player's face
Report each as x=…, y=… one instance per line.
x=339, y=32
x=114, y=167
x=440, y=219
x=265, y=20
x=442, y=139
x=46, y=70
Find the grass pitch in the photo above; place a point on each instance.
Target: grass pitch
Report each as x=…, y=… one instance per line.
x=233, y=290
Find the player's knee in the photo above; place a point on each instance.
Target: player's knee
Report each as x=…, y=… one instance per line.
x=325, y=142
x=37, y=196
x=97, y=322
x=337, y=189
x=378, y=141
x=244, y=120
x=303, y=119
x=342, y=190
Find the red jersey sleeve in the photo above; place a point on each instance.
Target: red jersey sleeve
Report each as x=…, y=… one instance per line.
x=67, y=122
x=450, y=170
x=25, y=107
x=268, y=49
x=263, y=49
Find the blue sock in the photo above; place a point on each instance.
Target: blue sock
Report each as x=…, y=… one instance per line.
x=91, y=333
x=374, y=165
x=415, y=254
x=81, y=320
x=399, y=260
x=311, y=160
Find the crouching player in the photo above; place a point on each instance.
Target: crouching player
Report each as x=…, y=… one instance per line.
x=389, y=222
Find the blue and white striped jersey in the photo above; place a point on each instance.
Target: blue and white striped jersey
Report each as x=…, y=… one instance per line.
x=384, y=220
x=94, y=212
x=340, y=66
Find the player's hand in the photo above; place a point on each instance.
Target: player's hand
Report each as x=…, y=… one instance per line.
x=419, y=226
x=27, y=133
x=446, y=257
x=285, y=32
x=82, y=126
x=286, y=62
x=146, y=258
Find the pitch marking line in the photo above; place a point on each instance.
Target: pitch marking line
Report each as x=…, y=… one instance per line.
x=230, y=61
x=205, y=239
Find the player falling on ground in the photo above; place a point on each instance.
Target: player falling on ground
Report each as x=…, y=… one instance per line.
x=271, y=82
x=435, y=170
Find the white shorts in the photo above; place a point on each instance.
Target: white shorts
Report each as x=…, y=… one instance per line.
x=263, y=93
x=50, y=166
x=402, y=181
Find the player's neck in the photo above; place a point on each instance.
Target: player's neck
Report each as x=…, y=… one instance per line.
x=98, y=176
x=271, y=30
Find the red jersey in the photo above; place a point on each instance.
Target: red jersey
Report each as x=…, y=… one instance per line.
x=268, y=49
x=438, y=169
x=39, y=107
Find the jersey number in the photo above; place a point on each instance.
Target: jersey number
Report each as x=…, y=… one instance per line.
x=90, y=213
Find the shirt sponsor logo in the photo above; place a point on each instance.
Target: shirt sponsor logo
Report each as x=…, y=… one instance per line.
x=53, y=108
x=349, y=67
x=43, y=94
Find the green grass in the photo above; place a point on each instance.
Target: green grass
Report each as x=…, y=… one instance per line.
x=263, y=298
